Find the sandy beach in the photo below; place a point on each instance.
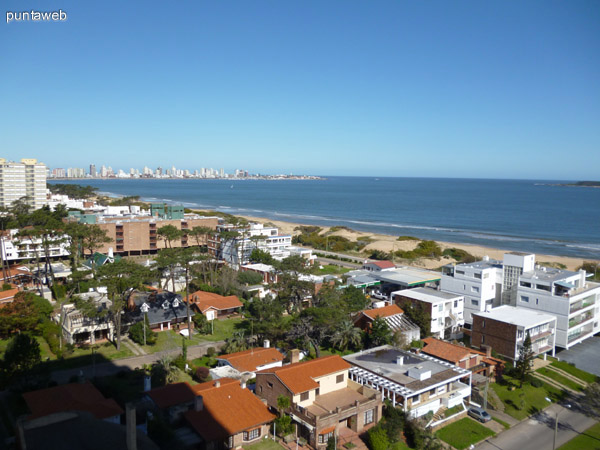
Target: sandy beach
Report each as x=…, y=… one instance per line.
x=389, y=243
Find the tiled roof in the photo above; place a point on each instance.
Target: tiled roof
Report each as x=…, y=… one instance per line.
x=227, y=410
x=250, y=360
x=8, y=294
x=386, y=311
x=300, y=377
x=172, y=394
x=71, y=397
x=447, y=351
x=206, y=300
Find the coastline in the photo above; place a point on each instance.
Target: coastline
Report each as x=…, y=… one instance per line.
x=387, y=243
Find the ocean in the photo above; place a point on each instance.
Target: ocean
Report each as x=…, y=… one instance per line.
x=522, y=215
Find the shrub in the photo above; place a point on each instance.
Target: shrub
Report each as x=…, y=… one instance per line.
x=211, y=351
x=136, y=333
x=179, y=362
x=284, y=425
x=202, y=374
x=536, y=382
x=378, y=439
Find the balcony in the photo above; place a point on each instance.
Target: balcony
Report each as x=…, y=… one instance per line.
x=581, y=305
x=343, y=402
x=580, y=319
x=582, y=332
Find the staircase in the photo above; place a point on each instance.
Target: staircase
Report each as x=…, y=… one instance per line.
x=439, y=414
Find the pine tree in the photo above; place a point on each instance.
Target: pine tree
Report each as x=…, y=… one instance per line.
x=524, y=365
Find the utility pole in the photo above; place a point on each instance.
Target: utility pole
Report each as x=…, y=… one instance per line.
x=144, y=308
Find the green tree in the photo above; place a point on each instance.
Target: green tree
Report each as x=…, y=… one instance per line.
x=524, y=364
x=260, y=256
x=19, y=316
x=136, y=332
x=378, y=439
x=283, y=403
x=346, y=335
x=380, y=333
x=121, y=279
x=249, y=278
x=92, y=239
x=418, y=315
x=354, y=299
x=235, y=343
x=169, y=234
x=22, y=355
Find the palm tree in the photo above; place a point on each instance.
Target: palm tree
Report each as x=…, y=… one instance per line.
x=236, y=343
x=346, y=335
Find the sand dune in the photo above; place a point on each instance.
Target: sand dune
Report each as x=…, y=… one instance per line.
x=389, y=243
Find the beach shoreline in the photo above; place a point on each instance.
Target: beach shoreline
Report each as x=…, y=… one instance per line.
x=388, y=243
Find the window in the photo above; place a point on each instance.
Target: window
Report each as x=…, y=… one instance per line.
x=251, y=434
x=441, y=389
x=304, y=396
x=416, y=399
x=441, y=308
x=456, y=303
x=477, y=275
x=323, y=438
x=475, y=288
x=270, y=385
x=339, y=378
x=524, y=299
x=483, y=323
x=369, y=416
x=475, y=302
x=483, y=339
x=486, y=275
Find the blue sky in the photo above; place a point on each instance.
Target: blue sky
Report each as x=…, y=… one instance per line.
x=389, y=88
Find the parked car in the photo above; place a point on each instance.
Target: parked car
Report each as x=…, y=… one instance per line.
x=479, y=414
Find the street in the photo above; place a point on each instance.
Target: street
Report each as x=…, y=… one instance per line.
x=537, y=432
x=115, y=366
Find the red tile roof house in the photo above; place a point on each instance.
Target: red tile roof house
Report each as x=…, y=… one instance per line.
x=324, y=402
x=393, y=316
x=215, y=306
x=72, y=397
x=252, y=360
x=223, y=412
x=474, y=360
x=377, y=266
x=8, y=295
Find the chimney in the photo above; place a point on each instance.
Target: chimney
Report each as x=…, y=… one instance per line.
x=130, y=427
x=243, y=384
x=217, y=383
x=294, y=356
x=400, y=360
x=266, y=343
x=198, y=403
x=488, y=350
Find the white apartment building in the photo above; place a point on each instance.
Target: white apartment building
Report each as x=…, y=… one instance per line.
x=518, y=281
x=480, y=283
x=14, y=248
x=22, y=179
x=237, y=251
x=446, y=310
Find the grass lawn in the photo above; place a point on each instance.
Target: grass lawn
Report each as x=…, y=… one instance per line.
x=534, y=399
x=560, y=379
x=454, y=410
x=572, y=370
x=463, y=433
x=589, y=439
x=329, y=269
x=206, y=361
x=264, y=444
x=400, y=445
x=171, y=339
x=501, y=422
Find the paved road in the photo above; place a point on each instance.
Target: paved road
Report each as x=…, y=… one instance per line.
x=537, y=433
x=115, y=366
x=336, y=262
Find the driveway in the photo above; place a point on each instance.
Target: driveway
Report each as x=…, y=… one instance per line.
x=585, y=355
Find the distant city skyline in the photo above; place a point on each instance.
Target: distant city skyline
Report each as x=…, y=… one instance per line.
x=411, y=89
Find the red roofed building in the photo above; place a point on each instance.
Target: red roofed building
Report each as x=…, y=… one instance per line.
x=215, y=306
x=324, y=402
x=477, y=362
x=226, y=414
x=377, y=266
x=395, y=319
x=173, y=399
x=72, y=397
x=8, y=295
x=252, y=360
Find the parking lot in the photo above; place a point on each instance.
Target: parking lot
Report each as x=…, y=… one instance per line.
x=585, y=355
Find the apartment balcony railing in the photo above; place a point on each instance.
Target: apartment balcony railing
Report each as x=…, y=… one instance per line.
x=580, y=305
x=580, y=319
x=579, y=334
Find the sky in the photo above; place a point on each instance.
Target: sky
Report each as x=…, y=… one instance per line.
x=471, y=89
